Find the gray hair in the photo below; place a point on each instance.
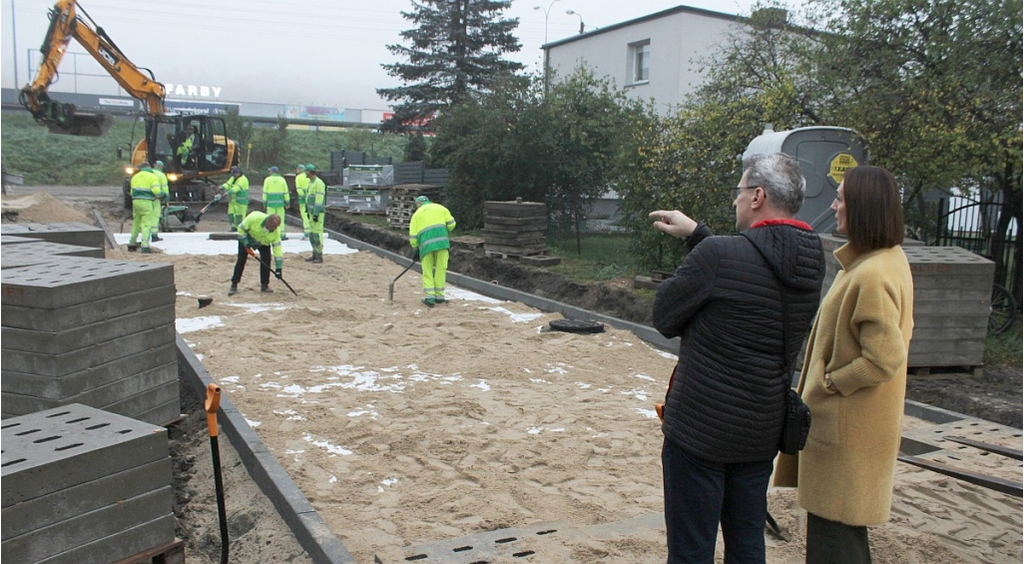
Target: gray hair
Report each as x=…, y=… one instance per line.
x=779, y=174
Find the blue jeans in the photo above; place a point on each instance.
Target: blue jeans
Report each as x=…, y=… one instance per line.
x=699, y=494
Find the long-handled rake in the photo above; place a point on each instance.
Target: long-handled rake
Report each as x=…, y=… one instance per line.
x=391, y=286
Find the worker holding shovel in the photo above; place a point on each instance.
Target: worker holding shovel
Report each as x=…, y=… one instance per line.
x=259, y=232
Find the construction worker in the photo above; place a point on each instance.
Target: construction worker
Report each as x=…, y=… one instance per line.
x=316, y=206
x=428, y=235
x=145, y=187
x=259, y=232
x=301, y=183
x=237, y=188
x=186, y=146
x=275, y=196
x=160, y=202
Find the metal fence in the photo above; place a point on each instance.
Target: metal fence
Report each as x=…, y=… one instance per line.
x=979, y=227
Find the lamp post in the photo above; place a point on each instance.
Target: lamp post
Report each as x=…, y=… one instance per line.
x=547, y=71
x=546, y=12
x=575, y=13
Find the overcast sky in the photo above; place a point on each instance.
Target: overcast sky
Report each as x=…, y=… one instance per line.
x=309, y=52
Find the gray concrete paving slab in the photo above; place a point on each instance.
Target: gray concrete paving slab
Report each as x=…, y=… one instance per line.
x=108, y=397
x=58, y=448
x=70, y=233
x=77, y=280
x=165, y=413
x=84, y=498
x=144, y=401
x=55, y=342
x=44, y=251
x=56, y=387
x=16, y=239
x=77, y=530
x=122, y=545
x=69, y=317
x=69, y=362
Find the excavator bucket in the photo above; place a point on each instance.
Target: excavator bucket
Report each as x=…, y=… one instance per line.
x=82, y=123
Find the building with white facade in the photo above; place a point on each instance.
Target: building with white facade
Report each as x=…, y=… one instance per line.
x=658, y=56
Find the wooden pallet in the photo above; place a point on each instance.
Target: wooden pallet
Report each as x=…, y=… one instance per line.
x=170, y=553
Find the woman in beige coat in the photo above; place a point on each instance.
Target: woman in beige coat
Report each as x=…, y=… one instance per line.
x=855, y=373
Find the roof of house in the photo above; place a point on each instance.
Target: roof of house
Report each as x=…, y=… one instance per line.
x=649, y=17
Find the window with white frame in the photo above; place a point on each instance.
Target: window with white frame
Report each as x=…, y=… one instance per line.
x=640, y=61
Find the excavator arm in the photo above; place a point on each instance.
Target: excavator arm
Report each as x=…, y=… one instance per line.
x=66, y=24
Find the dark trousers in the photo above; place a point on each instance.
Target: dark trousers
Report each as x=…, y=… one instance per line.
x=832, y=542
x=699, y=494
x=243, y=256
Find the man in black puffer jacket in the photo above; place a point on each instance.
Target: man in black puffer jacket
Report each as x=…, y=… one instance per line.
x=724, y=407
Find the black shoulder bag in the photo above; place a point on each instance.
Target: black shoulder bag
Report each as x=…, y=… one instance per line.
x=796, y=423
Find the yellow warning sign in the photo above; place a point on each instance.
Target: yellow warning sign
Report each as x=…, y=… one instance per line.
x=839, y=165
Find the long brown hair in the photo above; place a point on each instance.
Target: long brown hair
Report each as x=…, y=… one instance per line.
x=874, y=210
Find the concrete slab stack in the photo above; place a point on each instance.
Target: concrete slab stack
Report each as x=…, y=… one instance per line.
x=40, y=251
x=515, y=229
x=85, y=486
x=90, y=331
x=952, y=294
x=72, y=233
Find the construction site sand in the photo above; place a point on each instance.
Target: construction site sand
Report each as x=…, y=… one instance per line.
x=406, y=425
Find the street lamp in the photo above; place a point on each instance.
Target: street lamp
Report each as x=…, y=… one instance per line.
x=546, y=11
x=574, y=13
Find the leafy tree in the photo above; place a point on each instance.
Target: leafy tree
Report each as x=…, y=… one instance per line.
x=487, y=142
x=690, y=158
x=936, y=89
x=416, y=148
x=561, y=148
x=455, y=50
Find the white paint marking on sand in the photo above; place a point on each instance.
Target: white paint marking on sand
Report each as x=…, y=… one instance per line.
x=189, y=324
x=333, y=449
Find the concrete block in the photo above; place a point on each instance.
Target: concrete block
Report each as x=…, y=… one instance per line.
x=60, y=364
x=42, y=252
x=56, y=342
x=77, y=500
x=145, y=400
x=161, y=414
x=75, y=531
x=69, y=317
x=101, y=397
x=56, y=387
x=74, y=233
x=15, y=239
x=120, y=546
x=59, y=448
x=76, y=280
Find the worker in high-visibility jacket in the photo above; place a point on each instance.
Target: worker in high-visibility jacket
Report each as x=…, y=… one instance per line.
x=237, y=188
x=259, y=232
x=301, y=183
x=145, y=187
x=428, y=235
x=189, y=143
x=275, y=196
x=316, y=207
x=160, y=202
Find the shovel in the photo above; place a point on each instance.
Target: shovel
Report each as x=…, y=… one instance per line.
x=391, y=286
x=212, y=404
x=206, y=207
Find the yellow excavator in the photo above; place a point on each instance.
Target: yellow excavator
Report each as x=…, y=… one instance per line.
x=192, y=147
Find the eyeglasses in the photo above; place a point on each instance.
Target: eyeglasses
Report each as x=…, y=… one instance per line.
x=736, y=191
